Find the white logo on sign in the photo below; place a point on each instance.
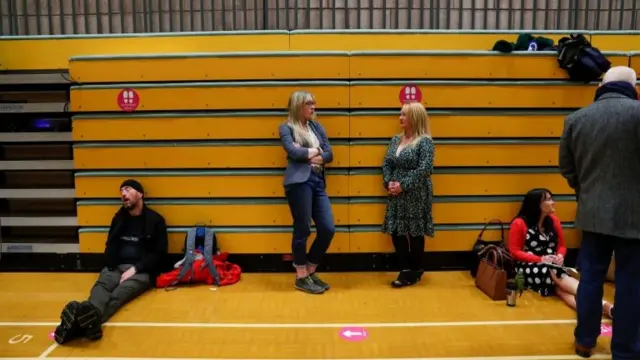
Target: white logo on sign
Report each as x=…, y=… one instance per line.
x=410, y=93
x=128, y=97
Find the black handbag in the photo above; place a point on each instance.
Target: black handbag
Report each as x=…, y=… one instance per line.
x=481, y=244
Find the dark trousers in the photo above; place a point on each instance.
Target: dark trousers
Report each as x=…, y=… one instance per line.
x=594, y=259
x=409, y=251
x=309, y=200
x=108, y=295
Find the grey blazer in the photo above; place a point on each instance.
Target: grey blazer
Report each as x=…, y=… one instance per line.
x=600, y=159
x=298, y=166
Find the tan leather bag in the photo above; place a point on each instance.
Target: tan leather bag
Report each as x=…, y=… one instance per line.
x=491, y=277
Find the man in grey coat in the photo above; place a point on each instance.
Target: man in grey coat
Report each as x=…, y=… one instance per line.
x=600, y=159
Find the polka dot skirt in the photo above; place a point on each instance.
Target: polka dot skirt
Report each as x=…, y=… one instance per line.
x=538, y=276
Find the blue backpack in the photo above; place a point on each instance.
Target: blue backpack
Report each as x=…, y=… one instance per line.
x=582, y=61
x=203, y=240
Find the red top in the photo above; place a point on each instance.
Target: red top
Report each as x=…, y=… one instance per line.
x=518, y=233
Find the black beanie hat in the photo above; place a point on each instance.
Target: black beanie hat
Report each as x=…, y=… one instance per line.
x=134, y=184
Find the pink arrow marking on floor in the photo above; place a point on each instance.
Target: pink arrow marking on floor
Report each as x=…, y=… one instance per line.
x=606, y=330
x=353, y=334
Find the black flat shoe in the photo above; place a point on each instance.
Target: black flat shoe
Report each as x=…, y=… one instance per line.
x=405, y=278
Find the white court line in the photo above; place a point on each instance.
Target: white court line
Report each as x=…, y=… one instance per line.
x=319, y=325
x=532, y=357
x=48, y=351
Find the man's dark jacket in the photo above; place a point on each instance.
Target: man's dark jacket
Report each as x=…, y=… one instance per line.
x=600, y=158
x=154, y=241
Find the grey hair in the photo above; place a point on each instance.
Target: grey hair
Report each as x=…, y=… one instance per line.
x=620, y=73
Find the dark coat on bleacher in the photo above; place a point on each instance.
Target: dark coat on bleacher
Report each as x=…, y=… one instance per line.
x=600, y=158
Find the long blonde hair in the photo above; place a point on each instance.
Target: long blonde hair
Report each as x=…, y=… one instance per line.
x=419, y=120
x=295, y=119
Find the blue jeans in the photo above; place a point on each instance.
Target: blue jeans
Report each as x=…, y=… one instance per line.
x=594, y=259
x=309, y=200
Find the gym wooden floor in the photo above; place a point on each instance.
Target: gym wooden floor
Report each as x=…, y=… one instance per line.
x=263, y=317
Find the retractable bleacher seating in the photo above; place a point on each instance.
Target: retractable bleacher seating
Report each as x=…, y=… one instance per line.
x=198, y=127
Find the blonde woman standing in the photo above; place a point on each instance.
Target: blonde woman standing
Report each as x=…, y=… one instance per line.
x=308, y=151
x=407, y=169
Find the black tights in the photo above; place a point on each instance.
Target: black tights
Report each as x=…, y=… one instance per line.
x=410, y=251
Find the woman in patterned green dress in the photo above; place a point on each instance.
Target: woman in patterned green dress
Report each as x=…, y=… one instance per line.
x=407, y=169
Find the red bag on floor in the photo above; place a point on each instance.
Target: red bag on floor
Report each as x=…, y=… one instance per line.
x=229, y=273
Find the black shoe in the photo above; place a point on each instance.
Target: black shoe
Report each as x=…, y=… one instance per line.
x=68, y=328
x=319, y=282
x=418, y=275
x=405, y=278
x=308, y=285
x=583, y=351
x=89, y=319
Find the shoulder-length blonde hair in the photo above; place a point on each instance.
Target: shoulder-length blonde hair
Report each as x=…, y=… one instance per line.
x=295, y=118
x=419, y=120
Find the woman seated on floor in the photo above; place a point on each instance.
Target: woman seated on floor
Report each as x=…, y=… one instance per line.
x=536, y=242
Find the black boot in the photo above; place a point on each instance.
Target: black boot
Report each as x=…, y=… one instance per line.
x=417, y=257
x=418, y=274
x=401, y=245
x=90, y=320
x=68, y=329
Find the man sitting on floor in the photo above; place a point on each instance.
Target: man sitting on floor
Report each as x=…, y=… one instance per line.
x=135, y=252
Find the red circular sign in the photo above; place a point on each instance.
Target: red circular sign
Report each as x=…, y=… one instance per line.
x=410, y=93
x=128, y=100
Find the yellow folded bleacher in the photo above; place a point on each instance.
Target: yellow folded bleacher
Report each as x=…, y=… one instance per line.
x=319, y=65
x=634, y=61
x=203, y=135
x=254, y=95
x=267, y=240
x=474, y=94
x=204, y=140
x=16, y=51
x=269, y=154
x=188, y=126
x=457, y=210
x=276, y=212
x=259, y=95
x=460, y=153
x=461, y=123
x=339, y=125
x=437, y=64
x=616, y=40
x=54, y=52
x=199, y=183
x=451, y=238
x=466, y=182
x=214, y=212
x=231, y=66
x=392, y=39
x=340, y=183
x=366, y=239
x=230, y=154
